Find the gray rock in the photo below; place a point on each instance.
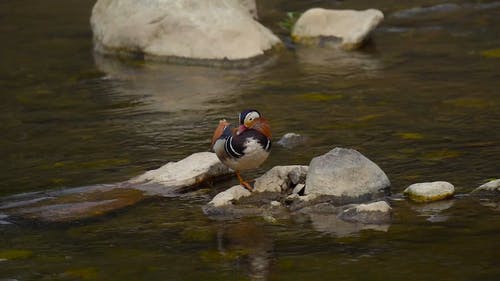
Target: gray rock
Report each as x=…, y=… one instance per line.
x=182, y=29
x=280, y=178
x=488, y=189
x=299, y=189
x=352, y=27
x=371, y=213
x=429, y=191
x=347, y=176
x=332, y=224
x=291, y=140
x=175, y=177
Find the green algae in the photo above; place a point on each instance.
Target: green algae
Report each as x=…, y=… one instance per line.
x=410, y=136
x=319, y=97
x=442, y=154
x=87, y=273
x=14, y=254
x=492, y=53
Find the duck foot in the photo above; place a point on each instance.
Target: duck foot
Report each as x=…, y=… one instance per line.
x=243, y=182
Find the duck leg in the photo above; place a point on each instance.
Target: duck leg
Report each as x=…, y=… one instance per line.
x=243, y=182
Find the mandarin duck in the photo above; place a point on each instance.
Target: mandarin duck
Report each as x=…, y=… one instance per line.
x=245, y=147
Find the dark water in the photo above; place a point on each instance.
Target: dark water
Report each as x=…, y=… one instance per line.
x=421, y=101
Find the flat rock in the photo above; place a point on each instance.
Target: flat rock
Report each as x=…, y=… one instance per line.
x=488, y=189
x=346, y=175
x=350, y=26
x=180, y=29
x=71, y=204
x=429, y=191
x=281, y=178
x=372, y=213
x=175, y=177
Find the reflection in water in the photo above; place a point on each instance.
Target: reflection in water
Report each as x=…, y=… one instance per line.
x=172, y=88
x=335, y=61
x=331, y=224
x=252, y=242
x=433, y=210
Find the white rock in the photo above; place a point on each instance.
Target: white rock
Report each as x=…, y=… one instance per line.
x=351, y=26
x=275, y=203
x=346, y=174
x=280, y=178
x=291, y=140
x=491, y=187
x=429, y=191
x=190, y=171
x=228, y=196
x=209, y=29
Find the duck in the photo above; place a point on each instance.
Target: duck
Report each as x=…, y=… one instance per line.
x=244, y=147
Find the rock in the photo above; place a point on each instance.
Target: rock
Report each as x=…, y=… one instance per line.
x=371, y=213
x=175, y=177
x=180, y=29
x=351, y=26
x=347, y=176
x=291, y=140
x=429, y=191
x=71, y=204
x=488, y=189
x=228, y=196
x=299, y=189
x=280, y=178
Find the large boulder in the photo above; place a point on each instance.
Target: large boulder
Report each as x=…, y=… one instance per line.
x=175, y=177
x=203, y=30
x=346, y=175
x=350, y=26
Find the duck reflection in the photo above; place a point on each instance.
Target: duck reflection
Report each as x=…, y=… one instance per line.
x=249, y=246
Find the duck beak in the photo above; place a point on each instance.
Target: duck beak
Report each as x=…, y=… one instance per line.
x=241, y=129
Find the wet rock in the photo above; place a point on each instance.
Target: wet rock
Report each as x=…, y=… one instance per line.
x=488, y=189
x=175, y=177
x=371, y=213
x=347, y=176
x=429, y=191
x=281, y=178
x=72, y=204
x=291, y=140
x=351, y=27
x=180, y=29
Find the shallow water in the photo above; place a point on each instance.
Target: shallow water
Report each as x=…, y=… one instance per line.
x=421, y=101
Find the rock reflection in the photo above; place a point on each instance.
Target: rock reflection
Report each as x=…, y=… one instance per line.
x=253, y=245
x=433, y=210
x=173, y=87
x=331, y=224
x=335, y=61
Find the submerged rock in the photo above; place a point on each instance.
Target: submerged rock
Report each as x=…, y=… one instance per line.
x=429, y=191
x=291, y=140
x=350, y=26
x=175, y=177
x=346, y=175
x=186, y=29
x=71, y=204
x=488, y=189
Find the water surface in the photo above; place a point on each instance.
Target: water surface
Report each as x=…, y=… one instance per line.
x=421, y=101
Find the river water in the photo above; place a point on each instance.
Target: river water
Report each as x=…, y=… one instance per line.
x=422, y=101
